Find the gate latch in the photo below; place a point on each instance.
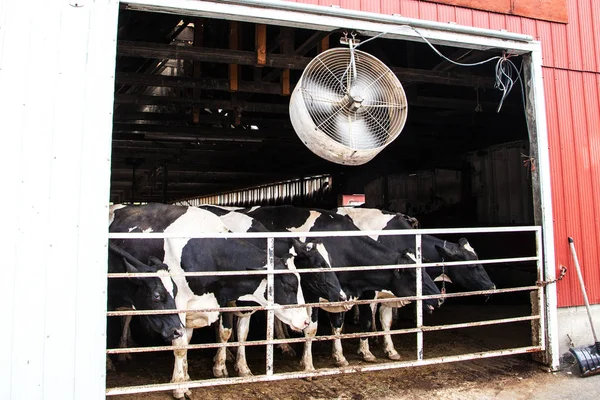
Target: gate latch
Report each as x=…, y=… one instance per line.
x=563, y=272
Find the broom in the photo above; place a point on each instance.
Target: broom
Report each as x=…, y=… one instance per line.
x=588, y=357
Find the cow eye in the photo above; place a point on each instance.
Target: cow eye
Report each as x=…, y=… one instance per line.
x=156, y=296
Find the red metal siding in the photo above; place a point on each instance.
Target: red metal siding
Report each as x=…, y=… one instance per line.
x=571, y=59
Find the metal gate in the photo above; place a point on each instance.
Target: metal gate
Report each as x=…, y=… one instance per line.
x=536, y=317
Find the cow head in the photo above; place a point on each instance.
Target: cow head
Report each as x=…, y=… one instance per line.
x=287, y=291
x=405, y=282
x=155, y=293
x=322, y=285
x=469, y=277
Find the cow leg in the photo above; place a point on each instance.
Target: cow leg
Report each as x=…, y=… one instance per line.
x=281, y=333
x=241, y=366
x=366, y=325
x=309, y=332
x=395, y=315
x=386, y=318
x=109, y=364
x=126, y=338
x=355, y=315
x=229, y=357
x=337, y=324
x=225, y=324
x=180, y=368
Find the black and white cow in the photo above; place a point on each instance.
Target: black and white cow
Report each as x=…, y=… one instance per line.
x=149, y=293
x=348, y=251
x=468, y=277
x=200, y=255
x=316, y=287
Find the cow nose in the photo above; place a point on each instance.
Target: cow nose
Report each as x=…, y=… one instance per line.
x=440, y=302
x=177, y=333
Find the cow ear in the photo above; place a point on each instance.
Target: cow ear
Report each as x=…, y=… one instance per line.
x=132, y=270
x=300, y=247
x=129, y=267
x=155, y=262
x=408, y=254
x=442, y=251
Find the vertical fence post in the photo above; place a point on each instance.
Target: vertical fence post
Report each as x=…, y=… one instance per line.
x=540, y=291
x=270, y=293
x=419, y=286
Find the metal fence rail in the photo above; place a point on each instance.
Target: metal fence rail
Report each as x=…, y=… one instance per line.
x=537, y=318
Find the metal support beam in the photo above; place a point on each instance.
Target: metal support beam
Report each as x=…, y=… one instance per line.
x=197, y=72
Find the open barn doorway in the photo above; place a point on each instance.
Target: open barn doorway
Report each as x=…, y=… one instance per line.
x=201, y=112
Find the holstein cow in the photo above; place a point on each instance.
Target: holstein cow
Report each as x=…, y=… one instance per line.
x=347, y=251
x=468, y=277
x=316, y=287
x=151, y=293
x=200, y=255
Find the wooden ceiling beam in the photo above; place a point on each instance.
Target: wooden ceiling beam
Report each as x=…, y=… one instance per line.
x=286, y=61
x=420, y=101
x=191, y=175
x=294, y=166
x=195, y=83
x=171, y=184
x=210, y=119
x=311, y=42
x=206, y=54
x=211, y=104
x=222, y=133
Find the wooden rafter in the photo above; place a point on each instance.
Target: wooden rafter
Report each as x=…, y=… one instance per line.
x=285, y=61
x=233, y=45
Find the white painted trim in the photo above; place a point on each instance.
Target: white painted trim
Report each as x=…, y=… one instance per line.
x=305, y=17
x=546, y=203
x=323, y=18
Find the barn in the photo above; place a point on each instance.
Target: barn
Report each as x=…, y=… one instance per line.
x=187, y=102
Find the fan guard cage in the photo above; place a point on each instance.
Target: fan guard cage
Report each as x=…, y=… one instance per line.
x=343, y=117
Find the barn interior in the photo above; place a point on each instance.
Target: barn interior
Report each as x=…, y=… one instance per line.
x=202, y=108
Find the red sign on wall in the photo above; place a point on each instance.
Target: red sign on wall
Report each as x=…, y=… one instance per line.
x=549, y=10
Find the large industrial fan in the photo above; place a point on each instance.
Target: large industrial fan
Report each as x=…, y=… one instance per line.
x=347, y=105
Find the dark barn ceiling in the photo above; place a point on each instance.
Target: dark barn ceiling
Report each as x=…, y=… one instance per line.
x=197, y=113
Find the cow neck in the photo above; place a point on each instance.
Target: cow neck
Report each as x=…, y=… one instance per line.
x=223, y=255
x=366, y=251
x=154, y=217
x=430, y=254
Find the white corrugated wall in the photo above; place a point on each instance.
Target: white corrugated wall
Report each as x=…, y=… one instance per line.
x=56, y=97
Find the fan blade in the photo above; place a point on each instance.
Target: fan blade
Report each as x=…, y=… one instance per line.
x=355, y=132
x=321, y=98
